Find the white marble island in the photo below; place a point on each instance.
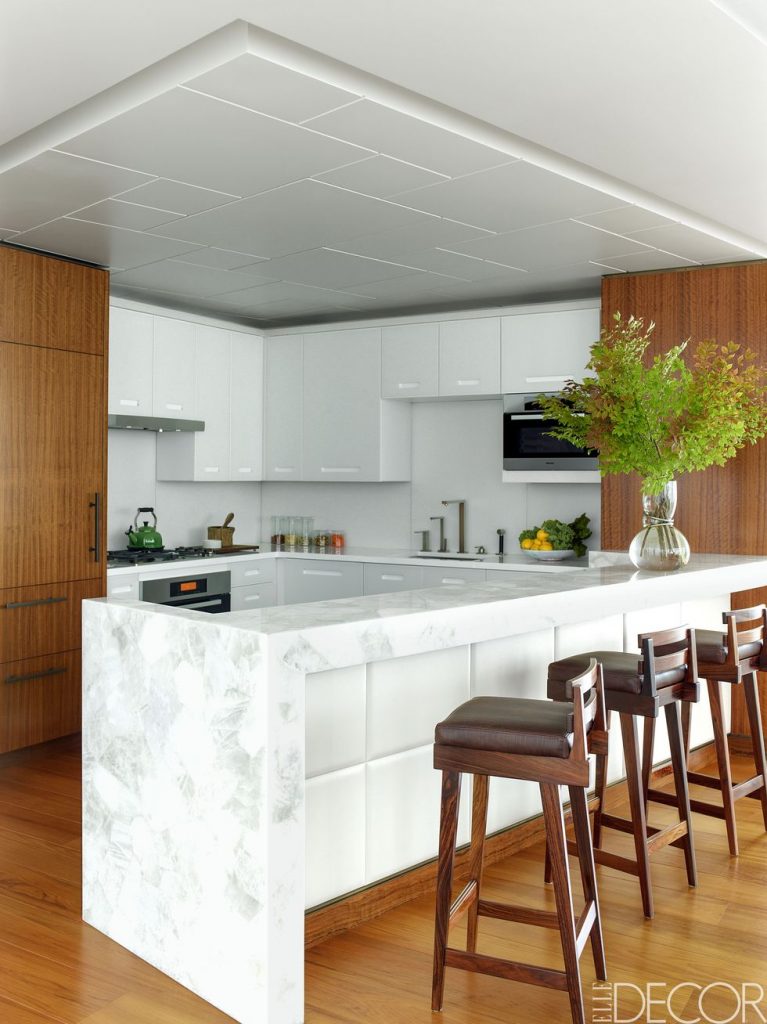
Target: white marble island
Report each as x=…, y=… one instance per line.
x=228, y=758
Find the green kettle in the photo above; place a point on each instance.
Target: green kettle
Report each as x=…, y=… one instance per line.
x=145, y=537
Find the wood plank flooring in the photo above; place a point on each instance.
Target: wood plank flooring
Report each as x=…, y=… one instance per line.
x=54, y=968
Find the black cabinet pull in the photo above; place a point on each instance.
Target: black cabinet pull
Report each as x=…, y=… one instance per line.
x=96, y=506
x=33, y=604
x=36, y=675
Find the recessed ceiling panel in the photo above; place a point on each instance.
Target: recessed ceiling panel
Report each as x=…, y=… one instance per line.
x=550, y=245
x=185, y=278
x=454, y=264
x=224, y=259
x=328, y=268
x=624, y=219
x=652, y=259
x=271, y=89
x=403, y=289
x=53, y=184
x=281, y=291
x=396, y=242
x=203, y=141
x=381, y=176
x=504, y=198
x=693, y=245
x=408, y=138
x=102, y=244
x=177, y=197
x=120, y=214
x=305, y=215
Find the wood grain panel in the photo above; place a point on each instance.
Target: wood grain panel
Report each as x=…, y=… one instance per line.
x=39, y=699
x=42, y=620
x=720, y=509
x=52, y=302
x=51, y=465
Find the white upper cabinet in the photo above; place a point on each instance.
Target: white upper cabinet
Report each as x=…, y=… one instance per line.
x=283, y=415
x=246, y=407
x=470, y=357
x=541, y=351
x=410, y=361
x=130, y=362
x=350, y=434
x=173, y=384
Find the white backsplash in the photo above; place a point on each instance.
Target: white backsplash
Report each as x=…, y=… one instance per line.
x=456, y=454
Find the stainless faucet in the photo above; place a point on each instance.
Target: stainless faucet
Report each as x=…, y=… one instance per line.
x=425, y=539
x=442, y=539
x=461, y=522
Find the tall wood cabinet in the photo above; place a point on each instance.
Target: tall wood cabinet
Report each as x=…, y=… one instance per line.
x=722, y=508
x=53, y=329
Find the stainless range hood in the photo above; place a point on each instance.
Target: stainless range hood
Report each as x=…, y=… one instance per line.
x=159, y=424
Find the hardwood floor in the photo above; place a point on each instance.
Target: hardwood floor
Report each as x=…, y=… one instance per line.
x=54, y=968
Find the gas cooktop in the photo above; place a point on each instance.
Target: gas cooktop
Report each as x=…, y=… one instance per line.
x=145, y=556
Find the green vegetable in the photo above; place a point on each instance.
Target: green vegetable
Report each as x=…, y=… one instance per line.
x=563, y=536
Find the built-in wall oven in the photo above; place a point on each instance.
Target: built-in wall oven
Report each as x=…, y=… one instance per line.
x=200, y=591
x=529, y=446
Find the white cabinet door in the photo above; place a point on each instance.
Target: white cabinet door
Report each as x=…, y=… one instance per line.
x=283, y=413
x=173, y=384
x=260, y=595
x=212, y=364
x=434, y=576
x=542, y=351
x=410, y=361
x=246, y=572
x=247, y=407
x=470, y=357
x=130, y=362
x=342, y=405
x=123, y=587
x=388, y=579
x=312, y=579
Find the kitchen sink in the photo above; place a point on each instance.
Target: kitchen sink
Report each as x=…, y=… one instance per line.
x=451, y=558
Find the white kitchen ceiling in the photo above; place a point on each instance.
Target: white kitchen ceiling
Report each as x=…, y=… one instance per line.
x=251, y=178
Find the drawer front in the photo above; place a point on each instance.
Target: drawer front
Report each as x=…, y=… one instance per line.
x=318, y=580
x=39, y=620
x=39, y=699
x=260, y=595
x=436, y=577
x=123, y=588
x=388, y=579
x=256, y=570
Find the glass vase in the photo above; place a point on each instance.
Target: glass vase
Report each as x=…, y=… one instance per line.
x=659, y=546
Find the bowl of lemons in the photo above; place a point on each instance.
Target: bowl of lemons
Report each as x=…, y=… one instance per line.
x=553, y=540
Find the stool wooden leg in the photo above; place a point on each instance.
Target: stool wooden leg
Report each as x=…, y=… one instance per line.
x=723, y=762
x=448, y=826
x=580, y=808
x=686, y=720
x=679, y=766
x=757, y=736
x=478, y=829
x=560, y=873
x=600, y=789
x=648, y=746
x=630, y=736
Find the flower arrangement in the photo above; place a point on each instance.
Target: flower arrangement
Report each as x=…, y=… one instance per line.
x=666, y=417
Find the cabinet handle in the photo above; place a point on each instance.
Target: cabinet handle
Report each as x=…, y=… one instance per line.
x=253, y=597
x=121, y=590
x=452, y=579
x=96, y=506
x=173, y=406
x=339, y=469
x=284, y=469
x=210, y=469
x=132, y=402
x=389, y=576
x=252, y=572
x=546, y=380
x=245, y=469
x=33, y=604
x=467, y=383
x=321, y=572
x=405, y=384
x=36, y=675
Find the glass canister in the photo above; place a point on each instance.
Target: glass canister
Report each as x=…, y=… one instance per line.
x=295, y=531
x=307, y=528
x=337, y=539
x=321, y=540
x=278, y=531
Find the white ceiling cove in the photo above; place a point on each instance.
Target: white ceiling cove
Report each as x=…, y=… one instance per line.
x=250, y=177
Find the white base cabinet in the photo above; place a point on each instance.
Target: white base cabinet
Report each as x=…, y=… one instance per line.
x=311, y=579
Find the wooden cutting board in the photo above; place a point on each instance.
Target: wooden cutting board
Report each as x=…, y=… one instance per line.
x=231, y=549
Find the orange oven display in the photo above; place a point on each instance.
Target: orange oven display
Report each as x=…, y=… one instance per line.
x=189, y=587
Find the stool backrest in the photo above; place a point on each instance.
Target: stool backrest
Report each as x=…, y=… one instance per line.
x=745, y=626
x=588, y=708
x=669, y=653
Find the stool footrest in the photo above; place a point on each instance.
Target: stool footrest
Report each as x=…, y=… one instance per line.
x=750, y=787
x=699, y=779
x=520, y=915
x=512, y=970
x=699, y=806
x=463, y=900
x=662, y=837
x=619, y=824
x=613, y=860
x=584, y=926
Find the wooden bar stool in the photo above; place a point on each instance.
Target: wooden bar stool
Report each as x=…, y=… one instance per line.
x=664, y=676
x=733, y=656
x=541, y=742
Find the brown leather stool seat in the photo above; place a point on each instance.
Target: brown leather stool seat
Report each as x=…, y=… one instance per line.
x=541, y=742
x=638, y=687
x=733, y=655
